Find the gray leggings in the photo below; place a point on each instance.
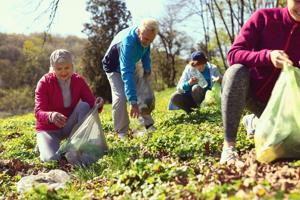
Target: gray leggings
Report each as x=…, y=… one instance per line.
x=235, y=98
x=187, y=102
x=48, y=141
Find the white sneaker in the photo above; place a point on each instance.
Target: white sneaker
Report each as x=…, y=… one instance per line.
x=248, y=124
x=122, y=135
x=139, y=133
x=229, y=155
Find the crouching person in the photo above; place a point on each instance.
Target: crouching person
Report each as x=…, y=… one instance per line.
x=197, y=77
x=62, y=99
x=268, y=40
x=119, y=63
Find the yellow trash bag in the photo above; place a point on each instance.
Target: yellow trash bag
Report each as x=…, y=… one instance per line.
x=277, y=133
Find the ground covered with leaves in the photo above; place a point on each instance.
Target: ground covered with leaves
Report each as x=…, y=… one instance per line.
x=178, y=161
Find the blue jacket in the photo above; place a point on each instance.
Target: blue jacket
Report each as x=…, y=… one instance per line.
x=210, y=71
x=122, y=55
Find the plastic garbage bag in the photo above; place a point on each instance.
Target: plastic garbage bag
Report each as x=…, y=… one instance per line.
x=213, y=96
x=54, y=179
x=277, y=133
x=145, y=95
x=86, y=143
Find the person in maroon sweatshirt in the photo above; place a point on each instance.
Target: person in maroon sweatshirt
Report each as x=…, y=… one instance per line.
x=270, y=38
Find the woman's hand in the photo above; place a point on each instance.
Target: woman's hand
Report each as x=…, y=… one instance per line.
x=193, y=81
x=279, y=57
x=58, y=119
x=100, y=101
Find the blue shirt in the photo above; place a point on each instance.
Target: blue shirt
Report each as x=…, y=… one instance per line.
x=122, y=55
x=209, y=71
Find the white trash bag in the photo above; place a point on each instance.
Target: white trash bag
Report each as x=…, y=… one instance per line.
x=54, y=179
x=145, y=95
x=86, y=143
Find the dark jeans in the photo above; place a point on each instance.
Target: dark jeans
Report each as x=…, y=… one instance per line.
x=186, y=101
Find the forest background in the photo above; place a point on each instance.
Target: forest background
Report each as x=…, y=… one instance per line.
x=24, y=58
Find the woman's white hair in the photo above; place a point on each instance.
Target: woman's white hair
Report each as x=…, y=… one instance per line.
x=149, y=25
x=60, y=56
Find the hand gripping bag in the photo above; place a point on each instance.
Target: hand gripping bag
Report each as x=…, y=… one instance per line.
x=277, y=133
x=86, y=143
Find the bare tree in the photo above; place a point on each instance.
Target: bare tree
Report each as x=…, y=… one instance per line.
x=172, y=43
x=225, y=15
x=213, y=17
x=51, y=11
x=228, y=15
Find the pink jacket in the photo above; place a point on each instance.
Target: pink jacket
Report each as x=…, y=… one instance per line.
x=266, y=30
x=48, y=98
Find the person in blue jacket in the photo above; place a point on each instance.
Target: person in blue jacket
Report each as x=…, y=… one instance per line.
x=119, y=63
x=197, y=77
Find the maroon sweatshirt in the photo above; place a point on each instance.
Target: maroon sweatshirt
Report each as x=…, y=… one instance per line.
x=266, y=30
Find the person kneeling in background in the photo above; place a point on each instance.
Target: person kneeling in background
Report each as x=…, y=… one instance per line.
x=197, y=77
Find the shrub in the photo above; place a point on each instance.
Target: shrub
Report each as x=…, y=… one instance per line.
x=16, y=101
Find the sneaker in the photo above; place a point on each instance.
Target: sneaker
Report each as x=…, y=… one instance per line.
x=229, y=155
x=249, y=125
x=122, y=135
x=139, y=133
x=151, y=129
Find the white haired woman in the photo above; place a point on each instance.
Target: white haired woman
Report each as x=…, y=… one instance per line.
x=62, y=99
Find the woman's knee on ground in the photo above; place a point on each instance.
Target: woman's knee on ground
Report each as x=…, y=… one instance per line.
x=47, y=152
x=48, y=156
x=48, y=144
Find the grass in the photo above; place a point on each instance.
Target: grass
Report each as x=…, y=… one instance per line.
x=178, y=161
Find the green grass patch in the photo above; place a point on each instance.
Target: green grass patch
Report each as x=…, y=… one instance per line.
x=178, y=161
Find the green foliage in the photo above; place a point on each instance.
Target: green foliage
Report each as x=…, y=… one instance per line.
x=178, y=161
x=16, y=101
x=43, y=193
x=161, y=76
x=23, y=61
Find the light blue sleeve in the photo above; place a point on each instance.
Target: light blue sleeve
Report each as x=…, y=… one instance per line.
x=186, y=86
x=183, y=85
x=127, y=68
x=214, y=71
x=146, y=60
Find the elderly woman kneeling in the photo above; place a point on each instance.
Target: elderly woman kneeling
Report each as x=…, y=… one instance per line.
x=62, y=99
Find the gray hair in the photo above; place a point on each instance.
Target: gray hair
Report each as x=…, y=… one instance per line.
x=150, y=25
x=60, y=56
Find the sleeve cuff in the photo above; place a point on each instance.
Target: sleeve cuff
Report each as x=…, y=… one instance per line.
x=50, y=120
x=133, y=102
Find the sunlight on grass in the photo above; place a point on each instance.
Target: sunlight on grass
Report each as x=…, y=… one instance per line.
x=177, y=161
